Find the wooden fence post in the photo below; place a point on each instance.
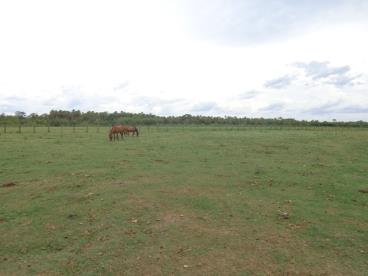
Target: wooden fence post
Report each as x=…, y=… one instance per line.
x=20, y=129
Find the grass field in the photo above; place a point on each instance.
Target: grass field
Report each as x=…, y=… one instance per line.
x=193, y=200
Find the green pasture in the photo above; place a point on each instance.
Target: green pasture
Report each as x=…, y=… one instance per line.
x=184, y=201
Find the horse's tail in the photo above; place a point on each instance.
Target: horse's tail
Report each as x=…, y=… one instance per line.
x=136, y=131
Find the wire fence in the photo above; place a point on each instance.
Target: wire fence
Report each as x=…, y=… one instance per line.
x=5, y=129
x=21, y=129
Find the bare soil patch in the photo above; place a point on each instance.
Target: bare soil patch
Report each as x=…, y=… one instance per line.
x=8, y=184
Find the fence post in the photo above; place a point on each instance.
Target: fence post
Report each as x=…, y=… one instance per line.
x=87, y=128
x=5, y=128
x=48, y=127
x=73, y=128
x=20, y=129
x=34, y=129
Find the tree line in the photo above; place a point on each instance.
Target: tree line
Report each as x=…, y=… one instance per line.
x=78, y=118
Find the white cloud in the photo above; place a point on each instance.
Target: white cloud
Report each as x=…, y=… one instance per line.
x=244, y=22
x=164, y=57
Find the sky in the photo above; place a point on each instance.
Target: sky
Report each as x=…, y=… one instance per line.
x=284, y=58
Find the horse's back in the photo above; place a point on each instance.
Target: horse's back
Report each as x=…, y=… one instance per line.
x=125, y=128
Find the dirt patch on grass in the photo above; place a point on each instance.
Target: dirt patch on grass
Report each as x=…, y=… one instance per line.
x=8, y=184
x=191, y=223
x=167, y=219
x=140, y=203
x=206, y=246
x=266, y=253
x=87, y=246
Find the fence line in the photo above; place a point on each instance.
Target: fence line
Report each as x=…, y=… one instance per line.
x=21, y=129
x=49, y=129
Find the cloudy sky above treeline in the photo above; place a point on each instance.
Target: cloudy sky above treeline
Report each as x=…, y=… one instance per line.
x=292, y=59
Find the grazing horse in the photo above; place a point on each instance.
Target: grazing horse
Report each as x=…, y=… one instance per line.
x=131, y=129
x=122, y=130
x=115, y=131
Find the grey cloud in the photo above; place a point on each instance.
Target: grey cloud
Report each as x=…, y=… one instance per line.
x=279, y=83
x=319, y=70
x=337, y=107
x=353, y=109
x=324, y=108
x=341, y=81
x=176, y=106
x=248, y=95
x=276, y=107
x=322, y=71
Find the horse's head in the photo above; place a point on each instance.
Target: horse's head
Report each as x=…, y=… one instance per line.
x=110, y=135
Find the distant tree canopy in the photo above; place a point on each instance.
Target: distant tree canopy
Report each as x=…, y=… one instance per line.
x=78, y=118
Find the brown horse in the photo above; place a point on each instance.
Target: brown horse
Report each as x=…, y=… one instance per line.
x=130, y=129
x=115, y=131
x=122, y=130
